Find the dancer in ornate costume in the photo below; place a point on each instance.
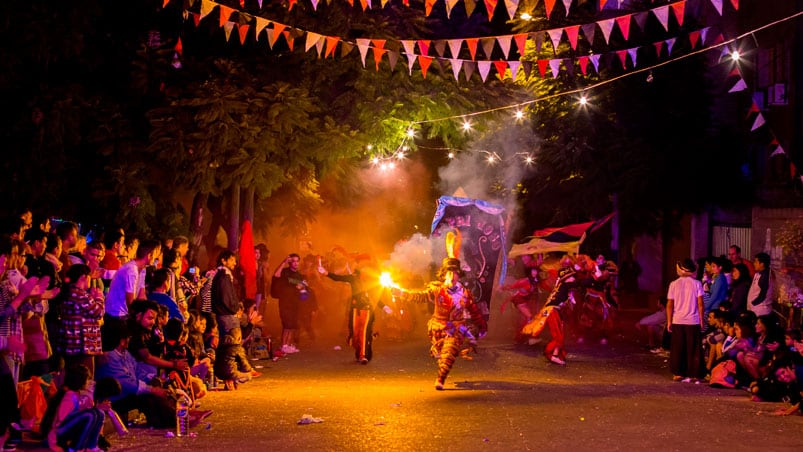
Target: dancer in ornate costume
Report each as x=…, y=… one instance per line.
x=457, y=318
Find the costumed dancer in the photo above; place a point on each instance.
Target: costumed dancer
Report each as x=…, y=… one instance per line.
x=361, y=314
x=523, y=298
x=599, y=301
x=456, y=319
x=560, y=298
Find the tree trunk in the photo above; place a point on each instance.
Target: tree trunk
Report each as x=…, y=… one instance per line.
x=248, y=205
x=233, y=230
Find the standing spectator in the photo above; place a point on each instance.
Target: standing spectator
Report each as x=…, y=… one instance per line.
x=114, y=241
x=67, y=231
x=289, y=287
x=172, y=263
x=35, y=262
x=225, y=303
x=684, y=319
x=94, y=253
x=81, y=314
x=759, y=297
x=262, y=254
x=719, y=285
x=128, y=284
x=735, y=256
x=739, y=288
x=181, y=245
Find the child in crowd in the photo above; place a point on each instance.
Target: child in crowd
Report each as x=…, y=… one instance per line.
x=232, y=365
x=73, y=420
x=713, y=338
x=195, y=340
x=176, y=348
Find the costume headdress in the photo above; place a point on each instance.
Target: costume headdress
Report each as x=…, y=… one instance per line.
x=452, y=261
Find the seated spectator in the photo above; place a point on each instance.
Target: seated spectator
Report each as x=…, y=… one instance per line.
x=145, y=347
x=655, y=326
x=73, y=421
x=790, y=373
x=232, y=365
x=152, y=401
x=176, y=348
x=195, y=340
x=158, y=291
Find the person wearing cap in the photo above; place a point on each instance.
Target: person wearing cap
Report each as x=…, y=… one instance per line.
x=456, y=318
x=684, y=319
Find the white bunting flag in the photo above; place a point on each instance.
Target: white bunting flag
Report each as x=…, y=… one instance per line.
x=555, y=66
x=606, y=26
x=662, y=14
x=362, y=46
x=555, y=35
x=778, y=151
x=485, y=69
x=717, y=5
x=758, y=122
x=739, y=86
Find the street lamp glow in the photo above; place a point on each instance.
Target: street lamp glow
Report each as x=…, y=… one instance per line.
x=491, y=159
x=400, y=155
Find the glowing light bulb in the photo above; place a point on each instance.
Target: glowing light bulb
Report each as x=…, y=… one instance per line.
x=405, y=148
x=383, y=166
x=583, y=100
x=528, y=160
x=466, y=125
x=519, y=115
x=391, y=165
x=526, y=16
x=410, y=133
x=400, y=155
x=491, y=159
x=375, y=160
x=451, y=155
x=369, y=147
x=735, y=55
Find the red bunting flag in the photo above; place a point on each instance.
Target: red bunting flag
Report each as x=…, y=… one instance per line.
x=679, y=9
x=624, y=25
x=225, y=14
x=490, y=6
x=572, y=33
x=622, y=54
x=501, y=68
x=179, y=48
x=331, y=45
x=583, y=61
x=694, y=38
x=542, y=65
x=472, y=47
x=292, y=3
x=424, y=61
x=243, y=31
x=423, y=46
x=735, y=4
x=549, y=5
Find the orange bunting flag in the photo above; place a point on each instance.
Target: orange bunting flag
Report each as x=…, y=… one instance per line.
x=331, y=45
x=378, y=56
x=364, y=4
x=207, y=7
x=549, y=5
x=521, y=42
x=501, y=69
x=290, y=40
x=225, y=14
x=472, y=47
x=424, y=61
x=274, y=35
x=490, y=6
x=243, y=30
x=679, y=8
x=261, y=24
x=292, y=3
x=242, y=3
x=165, y=3
x=428, y=4
x=469, y=5
x=449, y=5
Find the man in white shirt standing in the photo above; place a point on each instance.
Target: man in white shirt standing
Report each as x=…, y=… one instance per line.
x=684, y=319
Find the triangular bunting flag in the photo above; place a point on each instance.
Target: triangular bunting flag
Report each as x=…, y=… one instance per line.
x=538, y=37
x=278, y=29
x=378, y=52
x=514, y=69
x=261, y=24
x=291, y=40
x=440, y=47
x=633, y=52
x=179, y=48
x=345, y=48
x=549, y=4
x=243, y=30
x=704, y=35
x=624, y=25
x=694, y=38
x=454, y=47
x=641, y=19
x=393, y=58
x=735, y=4
x=572, y=33
x=362, y=46
x=225, y=14
x=602, y=4
x=291, y=4
x=555, y=66
x=606, y=26
x=472, y=47
x=490, y=6
x=319, y=46
x=669, y=44
x=424, y=62
x=485, y=69
x=165, y=3
x=196, y=19
x=588, y=31
x=501, y=68
x=555, y=35
x=717, y=5
x=542, y=65
x=679, y=8
x=314, y=5
x=423, y=46
x=527, y=66
x=778, y=151
x=487, y=46
x=739, y=86
x=411, y=57
x=568, y=64
x=409, y=46
x=227, y=28
x=364, y=4
x=207, y=7
x=470, y=5
x=511, y=6
x=758, y=122
x=468, y=69
x=383, y=3
x=331, y=45
x=753, y=109
x=504, y=44
x=595, y=61
x=521, y=42
x=428, y=4
x=583, y=62
x=622, y=54
x=566, y=5
x=662, y=14
x=659, y=46
x=457, y=64
x=449, y=5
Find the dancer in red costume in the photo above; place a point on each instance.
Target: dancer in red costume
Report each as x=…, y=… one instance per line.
x=550, y=316
x=457, y=318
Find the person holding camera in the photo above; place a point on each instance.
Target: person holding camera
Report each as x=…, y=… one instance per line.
x=290, y=287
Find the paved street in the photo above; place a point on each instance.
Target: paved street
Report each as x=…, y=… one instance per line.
x=614, y=397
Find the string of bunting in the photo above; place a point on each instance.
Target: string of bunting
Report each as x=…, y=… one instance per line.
x=326, y=46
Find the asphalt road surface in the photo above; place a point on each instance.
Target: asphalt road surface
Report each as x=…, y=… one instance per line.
x=508, y=398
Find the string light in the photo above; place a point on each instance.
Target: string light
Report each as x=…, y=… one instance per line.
x=519, y=115
x=583, y=100
x=410, y=133
x=735, y=55
x=466, y=125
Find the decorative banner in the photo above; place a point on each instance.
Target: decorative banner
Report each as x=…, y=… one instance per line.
x=248, y=260
x=566, y=239
x=482, y=227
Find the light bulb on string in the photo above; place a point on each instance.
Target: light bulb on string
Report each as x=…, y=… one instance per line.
x=466, y=125
x=735, y=55
x=375, y=160
x=583, y=100
x=450, y=155
x=410, y=133
x=519, y=115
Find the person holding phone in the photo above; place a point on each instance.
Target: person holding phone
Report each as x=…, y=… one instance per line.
x=289, y=286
